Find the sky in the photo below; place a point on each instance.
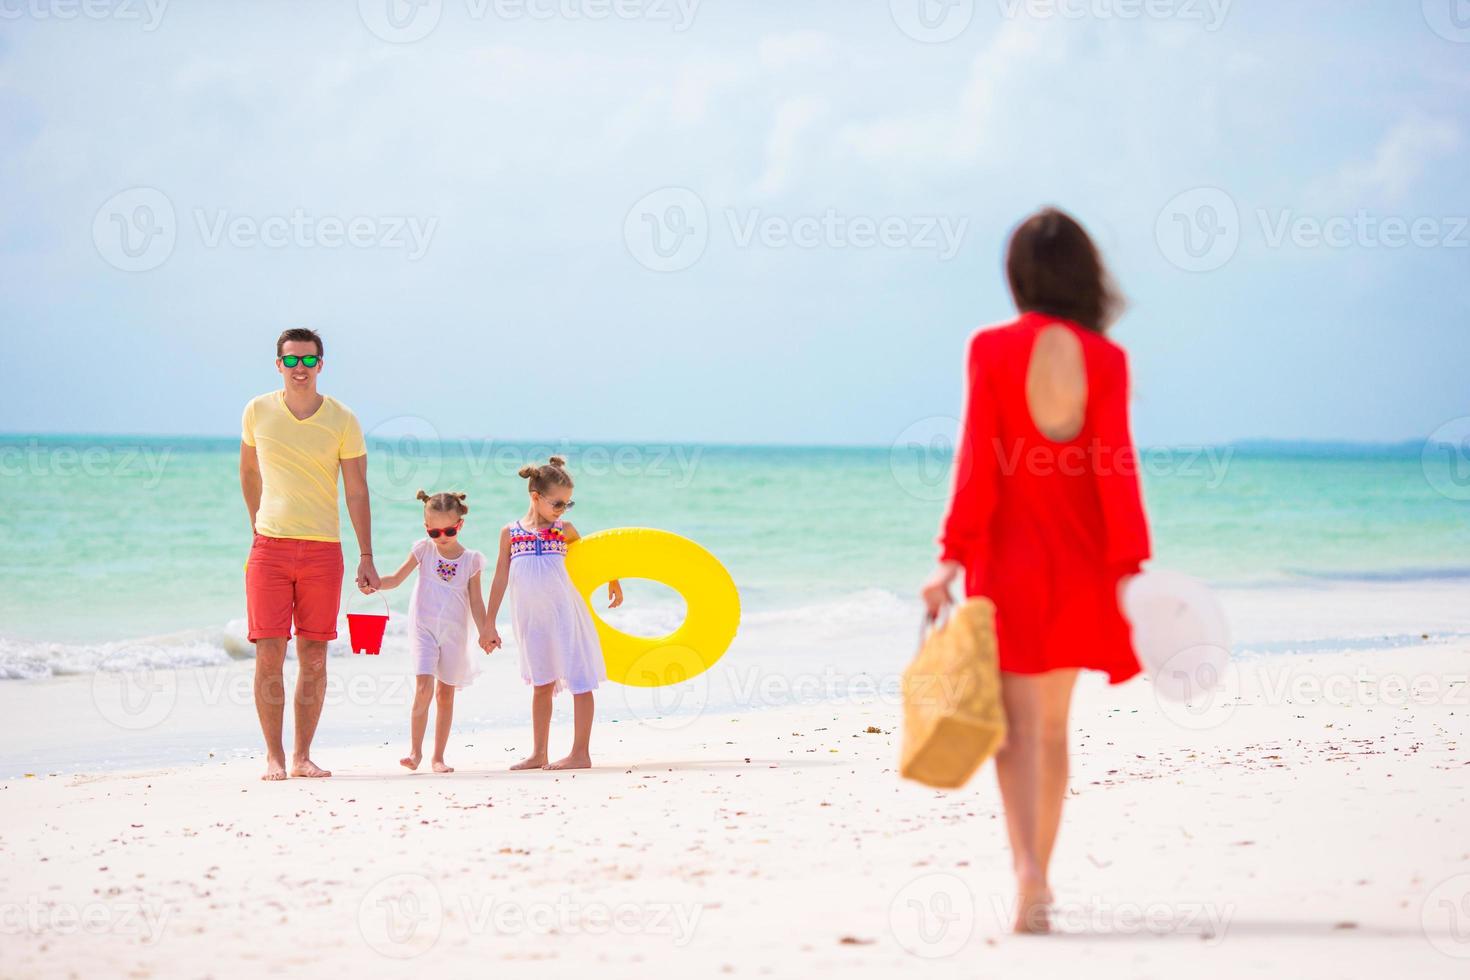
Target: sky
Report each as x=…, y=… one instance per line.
x=726, y=221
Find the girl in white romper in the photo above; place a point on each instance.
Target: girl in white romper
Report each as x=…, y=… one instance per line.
x=446, y=602
x=553, y=626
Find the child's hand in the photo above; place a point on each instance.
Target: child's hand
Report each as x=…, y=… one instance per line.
x=489, y=639
x=614, y=594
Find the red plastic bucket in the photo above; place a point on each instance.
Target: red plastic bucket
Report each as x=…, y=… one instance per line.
x=366, y=630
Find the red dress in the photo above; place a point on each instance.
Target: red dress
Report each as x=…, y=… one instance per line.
x=1046, y=529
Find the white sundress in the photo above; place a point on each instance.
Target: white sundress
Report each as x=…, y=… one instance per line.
x=553, y=625
x=439, y=614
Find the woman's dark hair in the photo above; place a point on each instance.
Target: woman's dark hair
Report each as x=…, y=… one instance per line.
x=1054, y=268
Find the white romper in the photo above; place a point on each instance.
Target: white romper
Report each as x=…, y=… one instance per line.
x=439, y=620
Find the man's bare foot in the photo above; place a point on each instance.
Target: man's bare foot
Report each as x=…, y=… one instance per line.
x=308, y=769
x=274, y=769
x=411, y=761
x=576, y=760
x=530, y=762
x=439, y=766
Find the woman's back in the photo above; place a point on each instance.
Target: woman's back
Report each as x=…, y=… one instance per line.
x=1047, y=514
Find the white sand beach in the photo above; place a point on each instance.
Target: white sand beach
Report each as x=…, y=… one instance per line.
x=1311, y=823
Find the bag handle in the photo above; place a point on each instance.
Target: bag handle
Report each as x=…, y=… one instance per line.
x=929, y=624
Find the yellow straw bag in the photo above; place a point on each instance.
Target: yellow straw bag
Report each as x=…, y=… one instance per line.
x=953, y=718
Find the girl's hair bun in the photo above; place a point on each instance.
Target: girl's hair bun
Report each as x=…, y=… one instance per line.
x=448, y=502
x=423, y=495
x=552, y=474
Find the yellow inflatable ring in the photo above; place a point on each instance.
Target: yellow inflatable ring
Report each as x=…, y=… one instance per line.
x=710, y=597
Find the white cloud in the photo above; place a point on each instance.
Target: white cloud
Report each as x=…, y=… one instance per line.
x=793, y=117
x=803, y=49
x=1400, y=159
x=954, y=132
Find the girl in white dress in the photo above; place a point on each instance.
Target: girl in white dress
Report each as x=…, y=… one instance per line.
x=553, y=625
x=446, y=602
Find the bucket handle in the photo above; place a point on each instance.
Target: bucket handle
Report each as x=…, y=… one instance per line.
x=386, y=611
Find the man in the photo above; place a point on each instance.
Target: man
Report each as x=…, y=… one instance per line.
x=293, y=443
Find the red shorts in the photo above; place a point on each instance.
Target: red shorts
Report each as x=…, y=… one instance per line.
x=290, y=579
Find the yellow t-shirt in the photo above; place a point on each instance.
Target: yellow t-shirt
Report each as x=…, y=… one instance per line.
x=299, y=463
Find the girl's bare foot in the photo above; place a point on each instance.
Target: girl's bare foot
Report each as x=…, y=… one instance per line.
x=530, y=762
x=412, y=760
x=274, y=769
x=577, y=760
x=308, y=769
x=439, y=766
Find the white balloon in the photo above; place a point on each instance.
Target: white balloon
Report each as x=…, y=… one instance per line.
x=1179, y=633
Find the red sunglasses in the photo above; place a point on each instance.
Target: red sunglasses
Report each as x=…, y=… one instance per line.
x=448, y=532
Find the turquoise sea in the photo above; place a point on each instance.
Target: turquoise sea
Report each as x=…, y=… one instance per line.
x=114, y=542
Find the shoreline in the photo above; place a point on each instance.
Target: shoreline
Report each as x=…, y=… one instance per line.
x=1314, y=822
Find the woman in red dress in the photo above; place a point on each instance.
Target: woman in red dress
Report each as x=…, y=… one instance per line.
x=1046, y=519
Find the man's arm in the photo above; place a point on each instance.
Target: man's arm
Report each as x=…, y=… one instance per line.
x=250, y=481
x=354, y=482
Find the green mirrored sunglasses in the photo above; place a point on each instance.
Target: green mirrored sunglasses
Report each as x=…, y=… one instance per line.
x=310, y=360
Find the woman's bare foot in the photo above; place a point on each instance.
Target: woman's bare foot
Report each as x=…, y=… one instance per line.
x=308, y=769
x=439, y=766
x=577, y=760
x=411, y=761
x=274, y=769
x=530, y=762
x=1033, y=905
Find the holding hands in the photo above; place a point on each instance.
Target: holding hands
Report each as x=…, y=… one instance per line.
x=489, y=638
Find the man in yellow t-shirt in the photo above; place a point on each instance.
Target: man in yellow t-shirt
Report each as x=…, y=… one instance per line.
x=293, y=443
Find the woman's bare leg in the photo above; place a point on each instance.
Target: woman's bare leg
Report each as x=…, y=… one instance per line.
x=443, y=718
x=581, y=754
x=540, y=727
x=1055, y=766
x=423, y=693
x=1032, y=771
